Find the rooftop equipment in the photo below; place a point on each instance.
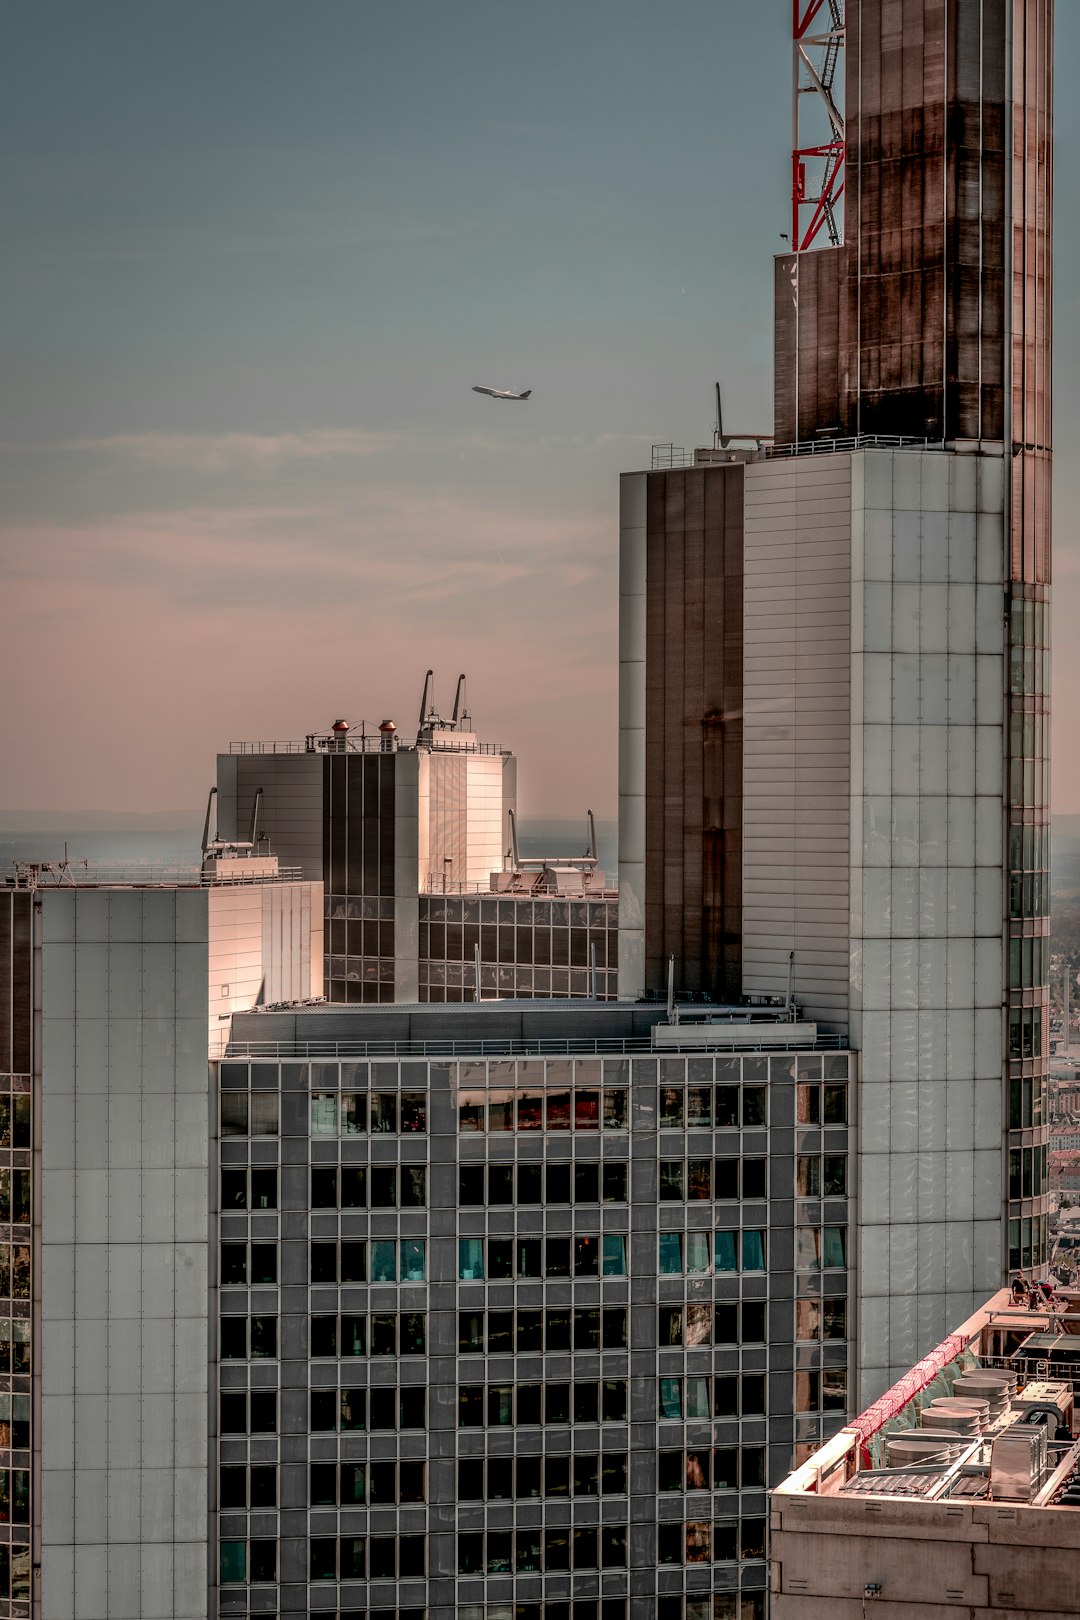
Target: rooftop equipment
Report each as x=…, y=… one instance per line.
x=1017, y=1464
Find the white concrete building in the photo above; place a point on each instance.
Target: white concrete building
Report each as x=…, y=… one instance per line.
x=103, y=1047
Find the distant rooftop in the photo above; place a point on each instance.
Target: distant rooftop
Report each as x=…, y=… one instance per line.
x=68, y=874
x=743, y=447
x=989, y=1415
x=508, y=1028
x=365, y=742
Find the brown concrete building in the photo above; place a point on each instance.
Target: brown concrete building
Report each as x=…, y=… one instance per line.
x=957, y=1494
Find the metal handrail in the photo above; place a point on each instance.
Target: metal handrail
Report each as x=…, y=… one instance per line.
x=434, y=888
x=666, y=456
x=672, y=456
x=151, y=877
x=361, y=744
x=857, y=441
x=539, y=1047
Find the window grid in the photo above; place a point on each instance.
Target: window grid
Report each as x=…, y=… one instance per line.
x=595, y=1149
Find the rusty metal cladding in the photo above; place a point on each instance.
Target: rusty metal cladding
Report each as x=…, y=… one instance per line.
x=693, y=729
x=903, y=329
x=807, y=344
x=1032, y=248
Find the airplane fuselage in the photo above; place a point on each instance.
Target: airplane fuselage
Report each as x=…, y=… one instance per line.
x=500, y=393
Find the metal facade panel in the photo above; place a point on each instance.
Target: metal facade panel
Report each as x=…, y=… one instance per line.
x=797, y=700
x=292, y=805
x=124, y=1260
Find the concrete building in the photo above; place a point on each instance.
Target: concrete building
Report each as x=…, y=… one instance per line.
x=956, y=1494
x=504, y=1314
x=105, y=1263
x=414, y=846
x=835, y=672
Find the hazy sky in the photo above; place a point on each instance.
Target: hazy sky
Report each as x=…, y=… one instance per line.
x=256, y=254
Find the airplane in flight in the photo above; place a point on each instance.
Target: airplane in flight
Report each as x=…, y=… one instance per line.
x=500, y=393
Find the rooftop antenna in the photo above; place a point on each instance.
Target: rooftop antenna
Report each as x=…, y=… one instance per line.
x=206, y=824
x=722, y=440
x=671, y=989
x=591, y=856
x=515, y=858
x=255, y=808
x=461, y=705
x=791, y=987
x=427, y=701
x=719, y=441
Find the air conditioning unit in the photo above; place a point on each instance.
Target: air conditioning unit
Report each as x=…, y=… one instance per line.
x=1017, y=1464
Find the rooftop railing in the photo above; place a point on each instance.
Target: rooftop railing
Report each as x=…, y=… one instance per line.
x=141, y=877
x=669, y=456
x=435, y=887
x=859, y=441
x=638, y=1046
x=360, y=744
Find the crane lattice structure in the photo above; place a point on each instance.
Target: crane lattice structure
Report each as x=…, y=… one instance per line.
x=817, y=167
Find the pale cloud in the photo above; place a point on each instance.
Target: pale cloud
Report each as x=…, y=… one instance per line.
x=220, y=452
x=387, y=543
x=240, y=451
x=195, y=626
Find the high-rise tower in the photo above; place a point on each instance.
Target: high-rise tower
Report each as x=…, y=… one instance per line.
x=882, y=826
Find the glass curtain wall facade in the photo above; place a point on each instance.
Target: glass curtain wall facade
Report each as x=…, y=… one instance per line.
x=18, y=1509
x=358, y=853
x=1029, y=264
x=693, y=732
x=529, y=948
x=521, y=1337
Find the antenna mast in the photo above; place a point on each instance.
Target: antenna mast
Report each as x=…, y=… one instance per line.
x=427, y=699
x=818, y=137
x=461, y=716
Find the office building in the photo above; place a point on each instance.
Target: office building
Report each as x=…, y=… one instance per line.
x=514, y=1310
x=956, y=1494
x=413, y=843
x=504, y=1307
x=105, y=1143
x=834, y=655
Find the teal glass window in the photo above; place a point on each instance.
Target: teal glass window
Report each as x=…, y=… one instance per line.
x=670, y=1254
x=471, y=1259
x=412, y=1260
x=614, y=1249
x=233, y=1562
x=834, y=1247
x=753, y=1250
x=383, y=1260
x=670, y=1398
x=726, y=1251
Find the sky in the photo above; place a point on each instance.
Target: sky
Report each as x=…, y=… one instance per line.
x=255, y=256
